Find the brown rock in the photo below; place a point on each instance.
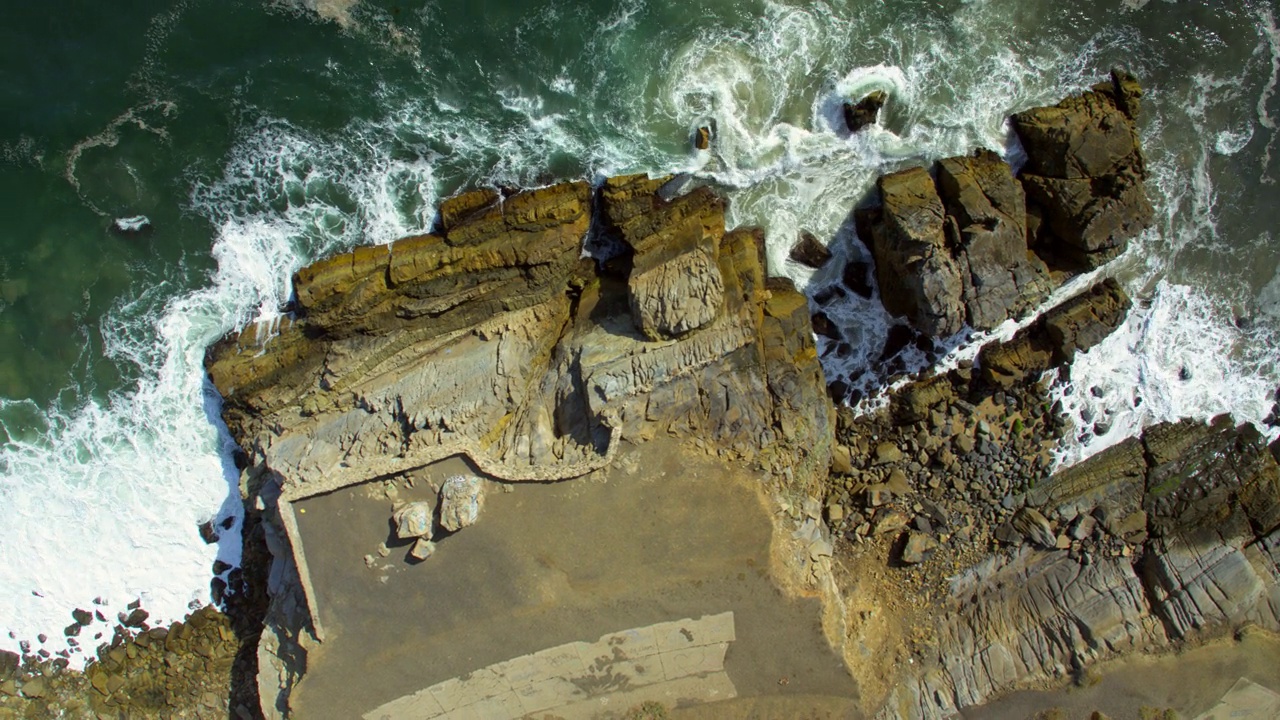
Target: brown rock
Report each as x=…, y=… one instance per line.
x=1035, y=527
x=918, y=548
x=808, y=251
x=1001, y=279
x=917, y=276
x=1075, y=325
x=1084, y=173
x=864, y=112
x=702, y=138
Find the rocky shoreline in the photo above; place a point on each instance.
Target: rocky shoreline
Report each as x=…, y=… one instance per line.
x=953, y=563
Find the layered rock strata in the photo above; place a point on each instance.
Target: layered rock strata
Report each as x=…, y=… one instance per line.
x=493, y=338
x=1196, y=510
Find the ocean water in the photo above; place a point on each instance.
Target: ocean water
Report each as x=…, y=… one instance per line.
x=258, y=136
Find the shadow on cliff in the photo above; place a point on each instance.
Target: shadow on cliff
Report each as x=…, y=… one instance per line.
x=239, y=584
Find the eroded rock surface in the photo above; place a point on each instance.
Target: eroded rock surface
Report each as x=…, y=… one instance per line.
x=1084, y=173
x=1196, y=508
x=953, y=251
x=1074, y=326
x=496, y=340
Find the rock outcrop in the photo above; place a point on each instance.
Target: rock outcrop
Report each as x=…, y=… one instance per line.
x=1201, y=505
x=986, y=220
x=953, y=251
x=1053, y=339
x=1084, y=173
x=864, y=112
x=493, y=338
x=918, y=276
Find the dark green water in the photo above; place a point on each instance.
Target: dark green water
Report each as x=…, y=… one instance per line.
x=257, y=136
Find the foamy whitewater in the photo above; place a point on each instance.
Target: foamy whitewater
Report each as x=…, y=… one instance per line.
x=102, y=507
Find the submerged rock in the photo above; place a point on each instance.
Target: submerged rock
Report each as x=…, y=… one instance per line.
x=132, y=226
x=461, y=498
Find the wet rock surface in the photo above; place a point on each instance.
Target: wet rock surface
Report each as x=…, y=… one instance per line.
x=858, y=115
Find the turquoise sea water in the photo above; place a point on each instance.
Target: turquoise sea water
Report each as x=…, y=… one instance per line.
x=257, y=136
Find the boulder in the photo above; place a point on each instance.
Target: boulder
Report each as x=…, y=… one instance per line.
x=413, y=520
x=422, y=549
x=986, y=213
x=864, y=112
x=702, y=138
x=1084, y=173
x=675, y=284
x=857, y=277
x=461, y=498
x=809, y=251
x=919, y=546
x=913, y=403
x=917, y=275
x=1035, y=527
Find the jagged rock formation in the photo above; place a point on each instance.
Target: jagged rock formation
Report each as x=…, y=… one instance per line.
x=953, y=251
x=494, y=339
x=1053, y=339
x=1201, y=505
x=1084, y=173
x=864, y=112
x=966, y=244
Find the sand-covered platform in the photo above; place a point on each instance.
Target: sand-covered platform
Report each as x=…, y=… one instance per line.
x=666, y=549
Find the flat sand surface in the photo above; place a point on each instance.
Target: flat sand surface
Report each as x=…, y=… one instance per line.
x=665, y=534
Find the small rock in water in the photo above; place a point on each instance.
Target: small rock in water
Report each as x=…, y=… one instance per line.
x=864, y=112
x=702, y=138
x=809, y=251
x=460, y=501
x=413, y=520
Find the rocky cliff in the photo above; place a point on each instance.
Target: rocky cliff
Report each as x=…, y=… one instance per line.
x=1163, y=538
x=495, y=338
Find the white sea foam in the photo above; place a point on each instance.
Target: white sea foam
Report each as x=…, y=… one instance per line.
x=103, y=507
x=1179, y=354
x=1189, y=348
